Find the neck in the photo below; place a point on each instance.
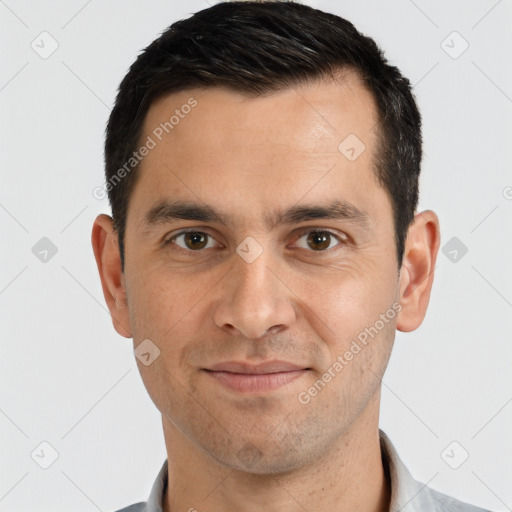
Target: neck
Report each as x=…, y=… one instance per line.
x=349, y=476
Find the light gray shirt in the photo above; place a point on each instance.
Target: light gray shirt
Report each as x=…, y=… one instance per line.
x=407, y=495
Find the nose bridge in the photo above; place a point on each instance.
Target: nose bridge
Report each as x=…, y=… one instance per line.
x=254, y=300
x=254, y=278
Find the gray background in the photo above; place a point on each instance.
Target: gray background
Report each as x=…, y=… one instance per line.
x=68, y=379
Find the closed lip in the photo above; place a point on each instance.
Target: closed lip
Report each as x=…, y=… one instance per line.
x=267, y=367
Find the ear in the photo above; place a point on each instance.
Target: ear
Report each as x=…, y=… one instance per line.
x=417, y=271
x=106, y=252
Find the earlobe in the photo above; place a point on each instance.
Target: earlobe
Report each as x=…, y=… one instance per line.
x=417, y=271
x=106, y=252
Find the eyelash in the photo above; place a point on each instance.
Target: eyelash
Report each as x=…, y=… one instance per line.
x=342, y=240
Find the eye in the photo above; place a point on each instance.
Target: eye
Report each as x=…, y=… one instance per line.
x=320, y=240
x=192, y=241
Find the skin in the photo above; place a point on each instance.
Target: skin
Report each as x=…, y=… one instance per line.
x=228, y=450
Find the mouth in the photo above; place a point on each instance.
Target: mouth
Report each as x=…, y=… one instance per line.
x=248, y=378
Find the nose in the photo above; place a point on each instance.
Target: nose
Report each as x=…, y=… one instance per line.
x=254, y=300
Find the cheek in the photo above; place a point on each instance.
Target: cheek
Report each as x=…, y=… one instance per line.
x=163, y=303
x=341, y=303
x=164, y=310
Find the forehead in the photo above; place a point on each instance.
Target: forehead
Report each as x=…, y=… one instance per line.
x=301, y=117
x=226, y=149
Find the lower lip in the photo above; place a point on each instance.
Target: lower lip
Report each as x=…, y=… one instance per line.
x=247, y=383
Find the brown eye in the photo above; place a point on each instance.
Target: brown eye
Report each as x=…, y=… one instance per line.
x=319, y=240
x=193, y=241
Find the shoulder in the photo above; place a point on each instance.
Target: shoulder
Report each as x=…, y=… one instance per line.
x=136, y=507
x=447, y=503
x=410, y=495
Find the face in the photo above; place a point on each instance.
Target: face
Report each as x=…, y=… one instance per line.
x=276, y=247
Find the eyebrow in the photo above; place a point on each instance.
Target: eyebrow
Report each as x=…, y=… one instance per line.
x=167, y=211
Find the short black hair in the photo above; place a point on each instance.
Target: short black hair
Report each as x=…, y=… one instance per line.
x=255, y=48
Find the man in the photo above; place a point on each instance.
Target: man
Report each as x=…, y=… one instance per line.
x=262, y=164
